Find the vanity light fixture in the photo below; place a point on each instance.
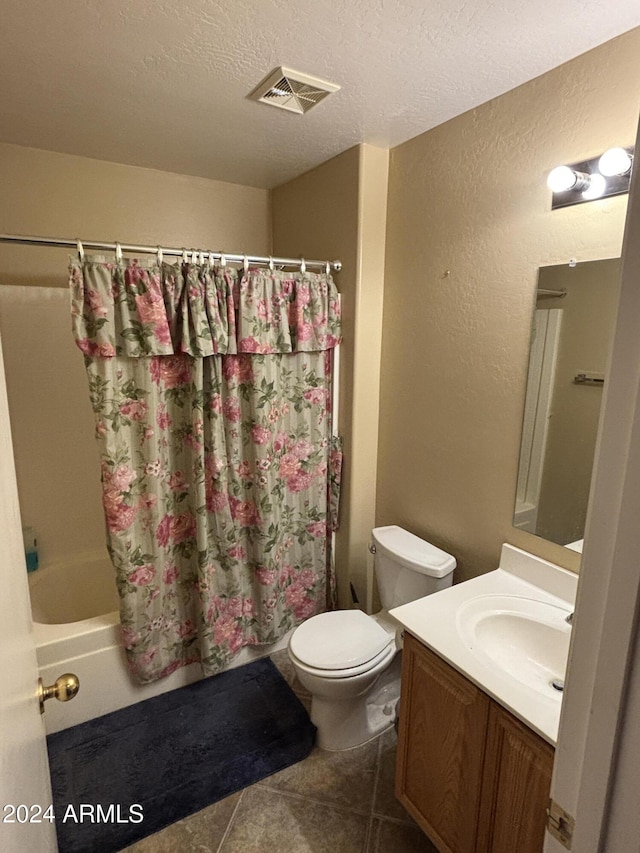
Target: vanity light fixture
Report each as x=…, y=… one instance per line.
x=564, y=178
x=597, y=187
x=600, y=177
x=615, y=161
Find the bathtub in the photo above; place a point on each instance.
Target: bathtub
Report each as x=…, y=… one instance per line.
x=76, y=628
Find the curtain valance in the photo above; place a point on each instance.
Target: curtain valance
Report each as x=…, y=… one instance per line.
x=128, y=309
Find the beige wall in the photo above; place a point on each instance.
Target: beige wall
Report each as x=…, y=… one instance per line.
x=65, y=196
x=338, y=210
x=59, y=195
x=52, y=424
x=469, y=223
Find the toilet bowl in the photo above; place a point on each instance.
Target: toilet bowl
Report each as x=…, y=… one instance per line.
x=348, y=660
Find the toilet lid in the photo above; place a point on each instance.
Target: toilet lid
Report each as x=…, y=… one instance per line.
x=339, y=640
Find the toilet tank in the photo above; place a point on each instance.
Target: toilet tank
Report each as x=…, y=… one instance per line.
x=408, y=567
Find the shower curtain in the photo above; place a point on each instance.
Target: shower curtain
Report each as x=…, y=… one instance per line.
x=220, y=474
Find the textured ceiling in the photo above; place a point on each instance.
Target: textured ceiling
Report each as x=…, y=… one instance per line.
x=163, y=83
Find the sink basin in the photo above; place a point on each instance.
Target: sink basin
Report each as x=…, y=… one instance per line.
x=525, y=638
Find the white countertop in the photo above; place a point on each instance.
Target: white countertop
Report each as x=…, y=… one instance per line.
x=436, y=621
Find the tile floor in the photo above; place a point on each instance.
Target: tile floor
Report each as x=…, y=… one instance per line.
x=331, y=801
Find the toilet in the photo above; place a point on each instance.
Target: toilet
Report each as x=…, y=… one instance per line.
x=348, y=660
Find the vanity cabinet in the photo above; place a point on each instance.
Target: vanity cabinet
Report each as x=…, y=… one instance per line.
x=473, y=776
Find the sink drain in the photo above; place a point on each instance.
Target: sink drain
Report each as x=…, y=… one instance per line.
x=557, y=684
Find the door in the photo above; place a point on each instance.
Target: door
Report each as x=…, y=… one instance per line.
x=25, y=791
x=595, y=719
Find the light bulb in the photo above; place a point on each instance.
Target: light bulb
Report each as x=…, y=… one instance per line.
x=615, y=161
x=561, y=179
x=596, y=188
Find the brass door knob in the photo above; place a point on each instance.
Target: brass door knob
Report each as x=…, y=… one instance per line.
x=64, y=688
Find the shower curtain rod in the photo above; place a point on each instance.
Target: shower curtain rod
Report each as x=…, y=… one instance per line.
x=231, y=257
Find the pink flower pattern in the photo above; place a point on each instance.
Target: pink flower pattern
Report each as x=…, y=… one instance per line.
x=216, y=466
x=142, y=575
x=260, y=434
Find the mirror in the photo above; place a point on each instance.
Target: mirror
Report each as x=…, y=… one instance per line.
x=571, y=336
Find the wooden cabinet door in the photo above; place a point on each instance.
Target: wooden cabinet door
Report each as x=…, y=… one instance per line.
x=517, y=780
x=443, y=721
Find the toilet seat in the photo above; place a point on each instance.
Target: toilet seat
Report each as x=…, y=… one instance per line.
x=381, y=659
x=340, y=643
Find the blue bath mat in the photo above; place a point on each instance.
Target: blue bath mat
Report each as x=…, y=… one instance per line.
x=121, y=777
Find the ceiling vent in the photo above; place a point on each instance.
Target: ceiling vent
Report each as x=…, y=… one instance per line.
x=292, y=90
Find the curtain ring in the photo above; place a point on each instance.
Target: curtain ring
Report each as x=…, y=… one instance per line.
x=303, y=266
x=159, y=256
x=201, y=259
x=245, y=264
x=327, y=268
x=80, y=251
x=118, y=253
x=211, y=260
x=185, y=256
x=194, y=257
x=271, y=267
x=223, y=260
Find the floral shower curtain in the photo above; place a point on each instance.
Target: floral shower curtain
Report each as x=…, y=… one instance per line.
x=220, y=476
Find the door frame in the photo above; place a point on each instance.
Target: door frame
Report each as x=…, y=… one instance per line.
x=604, y=649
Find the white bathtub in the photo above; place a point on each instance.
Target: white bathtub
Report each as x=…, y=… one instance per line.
x=77, y=629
